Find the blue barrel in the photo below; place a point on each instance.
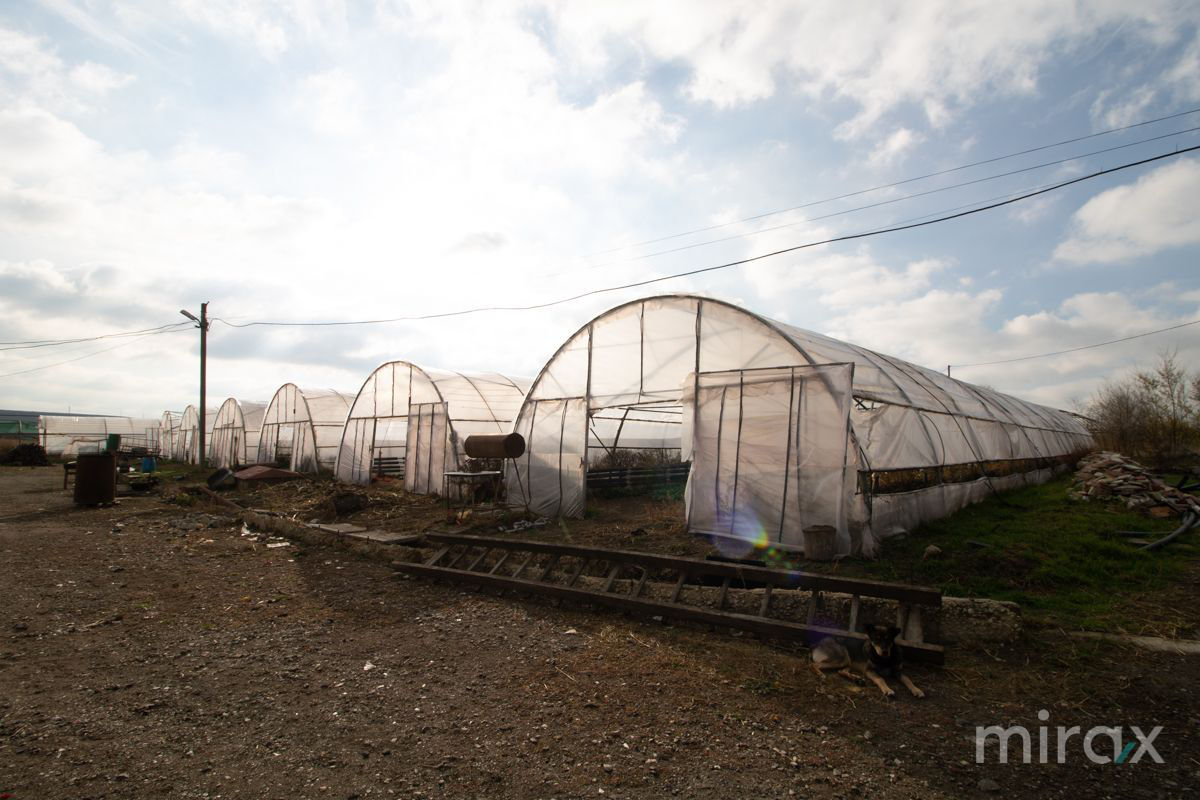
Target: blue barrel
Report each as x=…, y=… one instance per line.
x=149, y=464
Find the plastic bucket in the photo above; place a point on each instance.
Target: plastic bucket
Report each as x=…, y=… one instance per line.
x=820, y=542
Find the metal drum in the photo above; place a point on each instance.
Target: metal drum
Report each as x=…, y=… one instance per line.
x=499, y=445
x=95, y=478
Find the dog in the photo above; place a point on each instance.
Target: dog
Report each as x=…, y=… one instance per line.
x=880, y=657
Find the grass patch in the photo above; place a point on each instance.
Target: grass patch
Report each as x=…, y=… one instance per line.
x=1059, y=559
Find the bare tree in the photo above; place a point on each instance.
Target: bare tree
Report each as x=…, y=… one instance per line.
x=1153, y=415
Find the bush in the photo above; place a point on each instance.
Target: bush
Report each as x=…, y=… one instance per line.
x=26, y=455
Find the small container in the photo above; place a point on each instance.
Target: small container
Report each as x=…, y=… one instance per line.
x=95, y=478
x=820, y=542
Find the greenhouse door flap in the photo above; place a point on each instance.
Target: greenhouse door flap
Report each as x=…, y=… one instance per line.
x=769, y=454
x=425, y=448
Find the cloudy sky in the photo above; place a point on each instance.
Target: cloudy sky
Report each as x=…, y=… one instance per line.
x=323, y=161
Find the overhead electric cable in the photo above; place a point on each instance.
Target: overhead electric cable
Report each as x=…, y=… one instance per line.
x=913, y=179
x=877, y=204
x=56, y=342
x=730, y=264
x=1077, y=349
x=87, y=355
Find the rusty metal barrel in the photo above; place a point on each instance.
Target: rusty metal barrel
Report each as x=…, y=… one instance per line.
x=497, y=445
x=95, y=478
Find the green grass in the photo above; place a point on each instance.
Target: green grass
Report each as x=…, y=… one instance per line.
x=1058, y=558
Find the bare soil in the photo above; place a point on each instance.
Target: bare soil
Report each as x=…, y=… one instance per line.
x=150, y=650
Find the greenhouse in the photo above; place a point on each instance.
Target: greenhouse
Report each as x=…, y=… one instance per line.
x=411, y=421
x=168, y=431
x=69, y=436
x=784, y=429
x=187, y=437
x=302, y=428
x=235, y=431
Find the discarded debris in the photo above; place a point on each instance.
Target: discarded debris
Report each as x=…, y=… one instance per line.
x=260, y=472
x=345, y=503
x=1115, y=478
x=524, y=524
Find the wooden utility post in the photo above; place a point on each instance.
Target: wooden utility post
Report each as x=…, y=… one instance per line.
x=202, y=323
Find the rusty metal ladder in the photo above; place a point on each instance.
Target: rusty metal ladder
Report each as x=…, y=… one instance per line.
x=533, y=568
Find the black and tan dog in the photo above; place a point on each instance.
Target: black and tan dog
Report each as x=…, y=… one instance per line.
x=880, y=658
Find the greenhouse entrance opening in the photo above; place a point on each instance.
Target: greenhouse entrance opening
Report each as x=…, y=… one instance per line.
x=635, y=448
x=770, y=454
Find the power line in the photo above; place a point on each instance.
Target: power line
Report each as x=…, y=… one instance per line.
x=927, y=175
x=134, y=340
x=1077, y=349
x=730, y=264
x=877, y=204
x=36, y=343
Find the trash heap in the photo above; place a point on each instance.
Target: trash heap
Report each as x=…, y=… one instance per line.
x=1111, y=476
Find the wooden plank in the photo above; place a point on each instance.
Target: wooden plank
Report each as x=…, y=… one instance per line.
x=612, y=576
x=724, y=592
x=766, y=601
x=479, y=558
x=774, y=628
x=578, y=571
x=438, y=555
x=503, y=557
x=466, y=549
x=678, y=587
x=854, y=604
x=549, y=566
x=524, y=564
x=386, y=537
x=637, y=591
x=777, y=577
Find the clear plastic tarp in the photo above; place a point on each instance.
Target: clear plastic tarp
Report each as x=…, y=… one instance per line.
x=69, y=436
x=168, y=432
x=187, y=437
x=302, y=428
x=235, y=433
x=411, y=420
x=785, y=428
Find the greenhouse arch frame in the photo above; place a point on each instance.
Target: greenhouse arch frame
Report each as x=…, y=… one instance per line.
x=412, y=420
x=233, y=439
x=303, y=425
x=785, y=429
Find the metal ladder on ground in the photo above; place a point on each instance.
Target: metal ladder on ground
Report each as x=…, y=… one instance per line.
x=621, y=579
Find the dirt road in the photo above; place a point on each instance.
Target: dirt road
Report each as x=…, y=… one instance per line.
x=144, y=657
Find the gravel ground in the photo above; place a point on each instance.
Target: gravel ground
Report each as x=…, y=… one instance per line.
x=143, y=657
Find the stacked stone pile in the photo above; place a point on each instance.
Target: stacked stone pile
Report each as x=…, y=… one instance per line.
x=1113, y=477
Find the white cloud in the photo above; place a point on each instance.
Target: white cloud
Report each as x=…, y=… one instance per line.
x=893, y=148
x=332, y=101
x=1184, y=76
x=1138, y=219
x=98, y=79
x=940, y=55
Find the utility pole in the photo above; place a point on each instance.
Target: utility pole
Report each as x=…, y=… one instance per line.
x=202, y=324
